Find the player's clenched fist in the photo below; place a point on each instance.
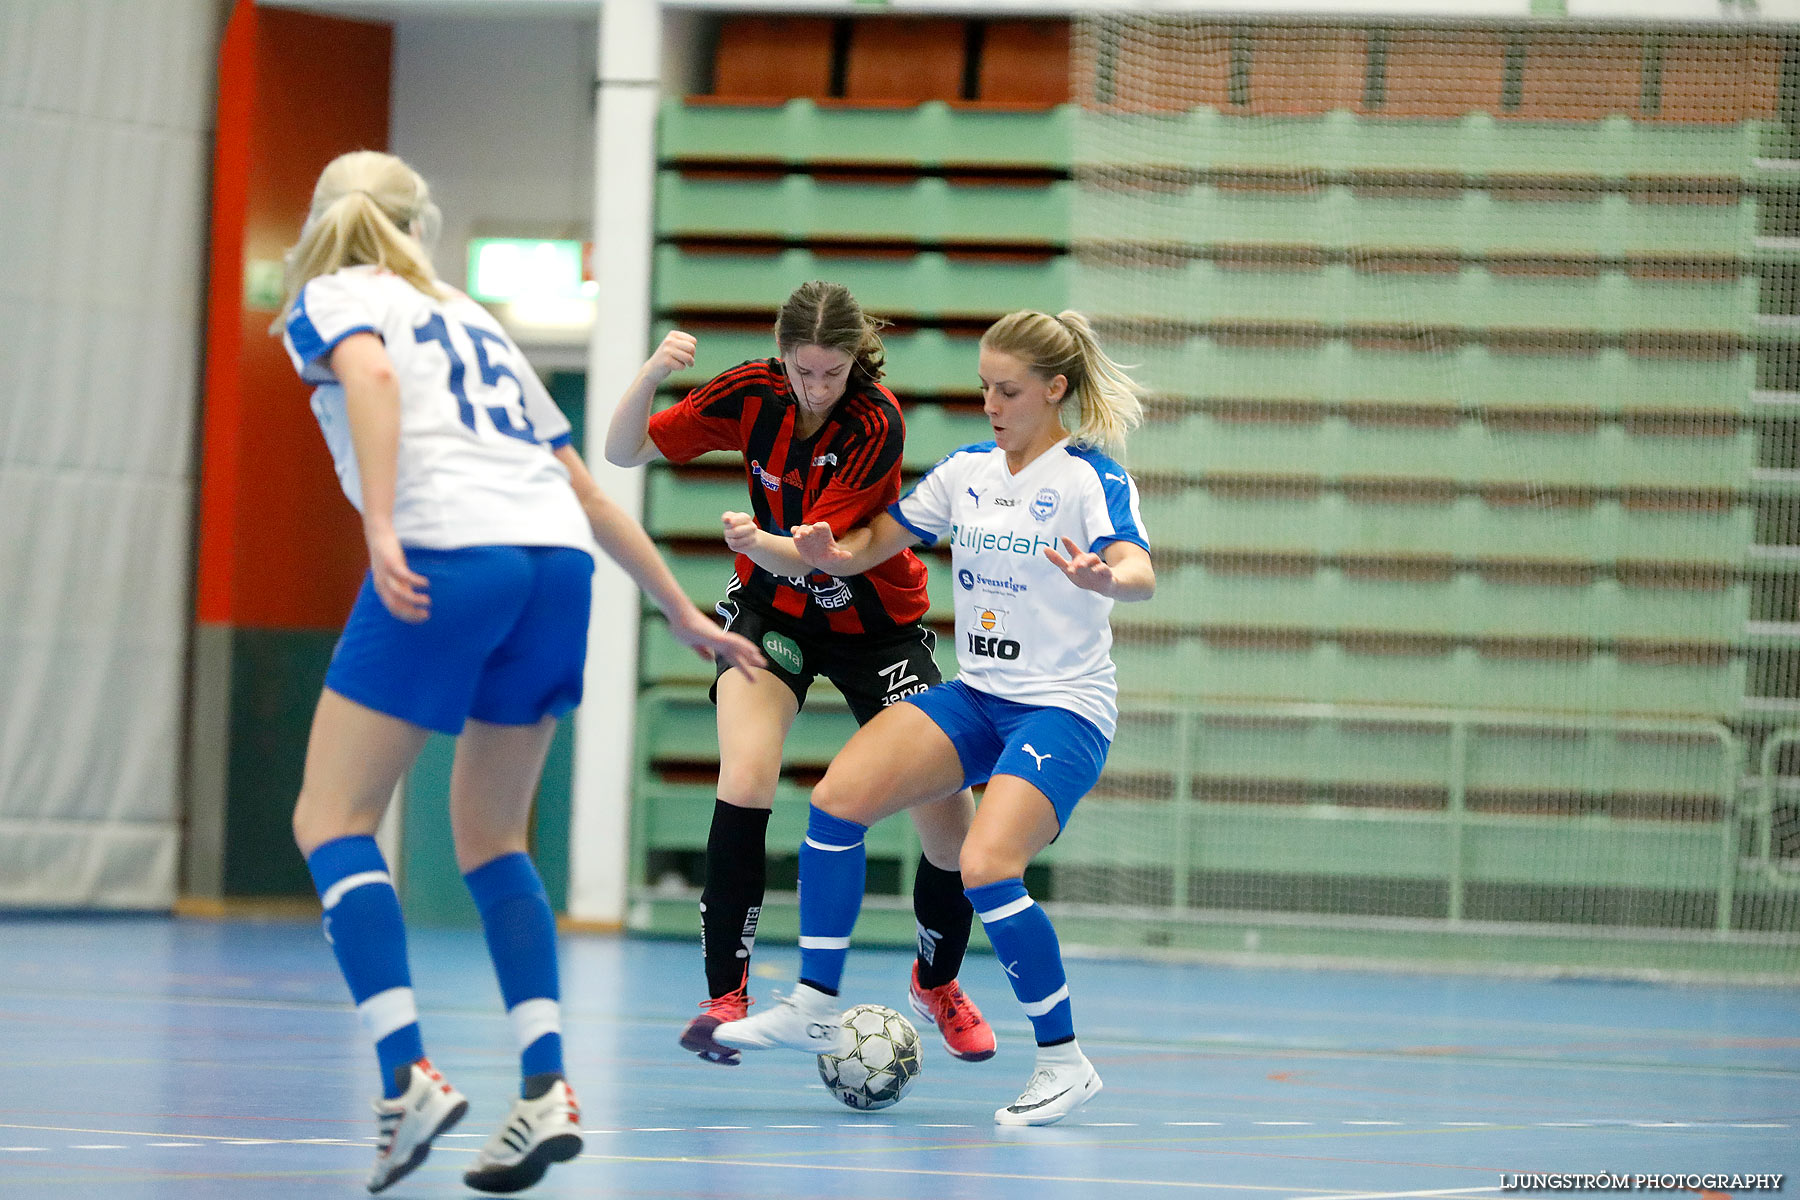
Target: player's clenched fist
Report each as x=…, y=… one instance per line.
x=675, y=354
x=740, y=531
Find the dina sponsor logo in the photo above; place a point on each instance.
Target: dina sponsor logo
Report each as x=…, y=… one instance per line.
x=783, y=651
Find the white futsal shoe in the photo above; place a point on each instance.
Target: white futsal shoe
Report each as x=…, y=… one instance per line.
x=1060, y=1084
x=406, y=1124
x=805, y=1019
x=535, y=1135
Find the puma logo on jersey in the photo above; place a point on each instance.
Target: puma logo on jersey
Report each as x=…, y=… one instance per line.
x=1120, y=478
x=1040, y=757
x=975, y=495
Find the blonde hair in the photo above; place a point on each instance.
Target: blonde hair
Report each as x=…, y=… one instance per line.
x=368, y=208
x=1107, y=399
x=819, y=313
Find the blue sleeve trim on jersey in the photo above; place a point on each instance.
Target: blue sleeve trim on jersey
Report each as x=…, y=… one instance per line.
x=1115, y=485
x=1101, y=543
x=307, y=342
x=929, y=539
x=971, y=448
x=333, y=343
x=313, y=348
x=557, y=443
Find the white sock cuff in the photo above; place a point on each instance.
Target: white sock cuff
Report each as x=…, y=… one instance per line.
x=532, y=1019
x=824, y=943
x=1006, y=910
x=1038, y=1008
x=387, y=1012
x=350, y=883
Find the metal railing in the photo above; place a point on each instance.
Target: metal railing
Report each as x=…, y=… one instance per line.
x=1762, y=818
x=1188, y=750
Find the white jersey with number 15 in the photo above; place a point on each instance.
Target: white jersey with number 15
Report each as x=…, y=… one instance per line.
x=477, y=428
x=1023, y=631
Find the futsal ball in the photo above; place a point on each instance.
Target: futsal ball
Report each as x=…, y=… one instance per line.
x=882, y=1063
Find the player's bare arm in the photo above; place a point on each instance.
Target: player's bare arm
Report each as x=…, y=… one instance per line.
x=1124, y=573
x=626, y=542
x=628, y=441
x=770, y=551
x=372, y=400
x=858, y=550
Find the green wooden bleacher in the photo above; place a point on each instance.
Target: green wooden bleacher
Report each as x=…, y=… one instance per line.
x=933, y=136
x=802, y=208
x=1477, y=144
x=1544, y=506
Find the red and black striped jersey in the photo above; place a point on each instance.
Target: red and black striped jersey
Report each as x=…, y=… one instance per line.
x=847, y=472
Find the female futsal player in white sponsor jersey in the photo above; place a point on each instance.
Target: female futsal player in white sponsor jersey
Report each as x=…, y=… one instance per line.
x=1045, y=536
x=481, y=523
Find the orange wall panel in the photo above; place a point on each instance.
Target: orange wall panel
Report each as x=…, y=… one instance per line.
x=771, y=59
x=1433, y=74
x=1581, y=77
x=1303, y=72
x=905, y=60
x=1719, y=80
x=280, y=547
x=1025, y=63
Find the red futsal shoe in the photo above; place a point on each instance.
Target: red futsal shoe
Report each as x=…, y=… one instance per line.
x=967, y=1035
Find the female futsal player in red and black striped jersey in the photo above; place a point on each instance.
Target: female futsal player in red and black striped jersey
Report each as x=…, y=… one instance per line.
x=821, y=441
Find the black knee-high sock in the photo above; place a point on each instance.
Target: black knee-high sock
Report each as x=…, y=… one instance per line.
x=731, y=901
x=944, y=915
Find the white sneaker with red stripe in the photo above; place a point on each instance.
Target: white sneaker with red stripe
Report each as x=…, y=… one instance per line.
x=536, y=1134
x=406, y=1124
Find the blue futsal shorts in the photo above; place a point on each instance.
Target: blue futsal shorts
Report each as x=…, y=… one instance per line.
x=505, y=643
x=1052, y=749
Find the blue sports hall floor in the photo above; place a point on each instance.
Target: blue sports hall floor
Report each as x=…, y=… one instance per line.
x=159, y=1057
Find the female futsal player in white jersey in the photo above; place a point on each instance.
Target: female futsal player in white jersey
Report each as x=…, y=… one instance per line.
x=1045, y=536
x=481, y=523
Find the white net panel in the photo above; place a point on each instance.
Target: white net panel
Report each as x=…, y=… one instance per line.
x=1472, y=477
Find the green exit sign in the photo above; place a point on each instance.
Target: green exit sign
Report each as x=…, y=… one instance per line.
x=507, y=270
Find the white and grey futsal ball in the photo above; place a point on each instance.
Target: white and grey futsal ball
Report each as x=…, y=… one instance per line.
x=882, y=1063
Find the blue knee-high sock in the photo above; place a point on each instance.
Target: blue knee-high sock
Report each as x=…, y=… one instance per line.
x=1026, y=944
x=364, y=927
x=521, y=938
x=833, y=862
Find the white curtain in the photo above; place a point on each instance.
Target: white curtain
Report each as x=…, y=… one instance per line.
x=105, y=119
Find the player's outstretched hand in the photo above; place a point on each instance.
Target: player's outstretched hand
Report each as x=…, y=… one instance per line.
x=675, y=354
x=693, y=630
x=817, y=547
x=403, y=591
x=740, y=531
x=1085, y=569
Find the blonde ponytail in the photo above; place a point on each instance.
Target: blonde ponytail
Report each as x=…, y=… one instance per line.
x=368, y=208
x=1106, y=398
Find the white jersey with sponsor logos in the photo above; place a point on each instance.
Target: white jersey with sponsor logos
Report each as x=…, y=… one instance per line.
x=1023, y=631
x=477, y=427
